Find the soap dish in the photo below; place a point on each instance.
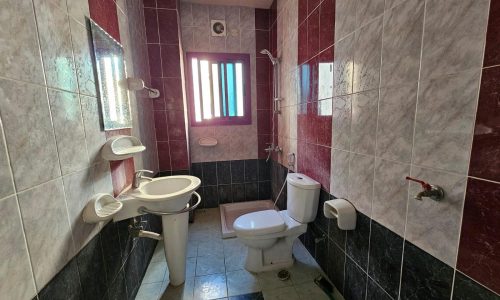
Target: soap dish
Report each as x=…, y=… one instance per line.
x=101, y=207
x=207, y=142
x=121, y=147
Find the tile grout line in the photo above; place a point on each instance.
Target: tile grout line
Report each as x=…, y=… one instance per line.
x=408, y=185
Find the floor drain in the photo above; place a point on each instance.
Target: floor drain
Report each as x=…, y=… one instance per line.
x=283, y=275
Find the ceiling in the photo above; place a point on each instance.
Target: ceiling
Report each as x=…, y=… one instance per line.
x=249, y=3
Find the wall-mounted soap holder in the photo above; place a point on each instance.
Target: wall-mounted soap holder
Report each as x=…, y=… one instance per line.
x=207, y=142
x=121, y=147
x=343, y=211
x=100, y=208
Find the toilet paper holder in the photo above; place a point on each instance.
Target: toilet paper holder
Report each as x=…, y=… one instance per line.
x=343, y=211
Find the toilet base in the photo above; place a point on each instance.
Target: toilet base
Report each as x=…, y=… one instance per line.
x=278, y=256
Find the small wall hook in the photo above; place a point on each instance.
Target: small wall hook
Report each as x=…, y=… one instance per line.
x=434, y=192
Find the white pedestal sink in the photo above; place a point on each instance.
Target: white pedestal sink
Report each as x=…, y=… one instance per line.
x=169, y=198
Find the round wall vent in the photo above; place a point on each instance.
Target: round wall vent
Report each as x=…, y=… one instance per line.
x=218, y=27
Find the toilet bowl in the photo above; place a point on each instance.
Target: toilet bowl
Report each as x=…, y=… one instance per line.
x=269, y=234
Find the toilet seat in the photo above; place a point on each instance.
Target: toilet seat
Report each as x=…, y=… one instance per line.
x=259, y=223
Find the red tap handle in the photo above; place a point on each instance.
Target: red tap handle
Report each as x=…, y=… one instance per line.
x=424, y=184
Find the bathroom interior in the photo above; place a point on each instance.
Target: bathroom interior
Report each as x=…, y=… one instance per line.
x=258, y=149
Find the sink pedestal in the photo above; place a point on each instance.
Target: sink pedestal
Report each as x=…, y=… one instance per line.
x=175, y=233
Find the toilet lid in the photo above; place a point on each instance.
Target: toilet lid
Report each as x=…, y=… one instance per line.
x=259, y=223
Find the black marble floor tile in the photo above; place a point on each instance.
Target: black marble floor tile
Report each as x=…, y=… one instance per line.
x=238, y=192
x=64, y=286
x=375, y=292
x=237, y=171
x=358, y=240
x=386, y=251
x=209, y=173
x=225, y=194
x=110, y=242
x=197, y=171
x=424, y=276
x=211, y=196
x=223, y=172
x=336, y=265
x=252, y=296
x=264, y=190
x=251, y=191
x=264, y=170
x=91, y=270
x=355, y=281
x=467, y=289
x=251, y=170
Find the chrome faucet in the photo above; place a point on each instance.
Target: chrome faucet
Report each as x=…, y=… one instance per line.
x=434, y=192
x=138, y=175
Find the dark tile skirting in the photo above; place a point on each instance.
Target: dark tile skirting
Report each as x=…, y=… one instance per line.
x=111, y=266
x=374, y=263
x=233, y=181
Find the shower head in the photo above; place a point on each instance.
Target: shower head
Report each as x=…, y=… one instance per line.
x=274, y=60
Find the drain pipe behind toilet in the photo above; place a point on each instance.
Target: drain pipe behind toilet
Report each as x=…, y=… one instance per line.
x=137, y=230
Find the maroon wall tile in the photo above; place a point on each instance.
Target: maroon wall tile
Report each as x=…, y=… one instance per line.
x=323, y=164
x=170, y=4
x=324, y=122
x=485, y=156
x=312, y=5
x=311, y=123
x=261, y=41
x=158, y=103
x=154, y=55
x=313, y=34
x=172, y=91
x=262, y=70
x=164, y=156
x=262, y=19
x=151, y=24
x=179, y=155
x=263, y=121
x=273, y=36
x=149, y=3
x=327, y=24
x=273, y=12
x=170, y=61
x=302, y=122
x=167, y=26
x=104, y=13
x=302, y=11
x=176, y=126
x=479, y=250
x=302, y=43
x=161, y=125
x=492, y=51
x=263, y=96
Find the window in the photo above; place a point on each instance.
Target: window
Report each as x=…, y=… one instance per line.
x=219, y=88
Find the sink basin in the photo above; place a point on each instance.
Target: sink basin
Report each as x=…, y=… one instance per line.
x=167, y=194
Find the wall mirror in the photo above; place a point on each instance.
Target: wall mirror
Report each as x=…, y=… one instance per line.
x=111, y=78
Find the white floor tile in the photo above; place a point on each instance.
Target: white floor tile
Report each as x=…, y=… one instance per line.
x=149, y=291
x=286, y=293
x=206, y=265
x=241, y=282
x=156, y=272
x=210, y=287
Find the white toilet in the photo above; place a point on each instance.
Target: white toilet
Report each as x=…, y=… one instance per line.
x=269, y=234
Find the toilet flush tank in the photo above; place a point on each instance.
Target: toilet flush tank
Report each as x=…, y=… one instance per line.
x=302, y=197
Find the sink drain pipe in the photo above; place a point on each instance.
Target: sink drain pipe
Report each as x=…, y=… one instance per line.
x=150, y=234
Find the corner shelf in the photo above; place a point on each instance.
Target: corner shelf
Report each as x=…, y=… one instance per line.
x=121, y=147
